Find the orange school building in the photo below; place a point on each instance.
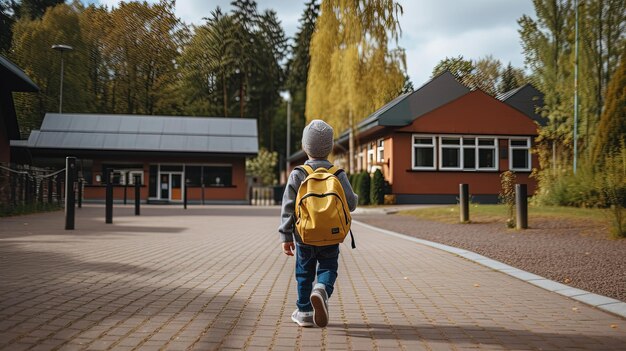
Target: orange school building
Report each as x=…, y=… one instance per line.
x=168, y=155
x=429, y=141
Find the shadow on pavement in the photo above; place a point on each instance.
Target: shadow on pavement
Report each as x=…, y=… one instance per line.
x=510, y=339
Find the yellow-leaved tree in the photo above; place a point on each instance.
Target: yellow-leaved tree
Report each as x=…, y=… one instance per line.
x=353, y=71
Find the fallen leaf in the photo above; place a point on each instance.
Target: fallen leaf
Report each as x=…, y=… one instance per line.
x=476, y=285
x=567, y=280
x=574, y=309
x=614, y=326
x=405, y=278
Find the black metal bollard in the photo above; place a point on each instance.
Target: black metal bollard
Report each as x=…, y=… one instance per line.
x=137, y=194
x=185, y=197
x=109, y=199
x=80, y=193
x=521, y=206
x=125, y=196
x=203, y=193
x=70, y=175
x=464, y=202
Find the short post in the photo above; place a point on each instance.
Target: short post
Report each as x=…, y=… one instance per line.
x=40, y=193
x=125, y=195
x=70, y=172
x=137, y=194
x=185, y=195
x=109, y=198
x=203, y=193
x=521, y=206
x=80, y=193
x=464, y=202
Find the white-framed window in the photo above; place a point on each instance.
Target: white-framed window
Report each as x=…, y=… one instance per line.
x=487, y=151
x=450, y=156
x=423, y=152
x=519, y=154
x=380, y=150
x=468, y=153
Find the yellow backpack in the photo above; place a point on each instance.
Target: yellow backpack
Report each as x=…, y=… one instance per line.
x=322, y=214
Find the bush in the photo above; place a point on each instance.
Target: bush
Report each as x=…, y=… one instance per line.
x=507, y=196
x=612, y=184
x=377, y=190
x=363, y=188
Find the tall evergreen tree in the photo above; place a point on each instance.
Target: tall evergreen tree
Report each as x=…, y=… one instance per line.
x=511, y=78
x=298, y=70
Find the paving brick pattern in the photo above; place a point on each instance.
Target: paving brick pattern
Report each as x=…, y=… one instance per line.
x=214, y=278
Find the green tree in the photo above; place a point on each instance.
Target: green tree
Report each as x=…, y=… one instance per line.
x=352, y=70
x=363, y=190
x=7, y=18
x=377, y=190
x=461, y=68
x=31, y=50
x=510, y=79
x=547, y=53
x=206, y=66
x=263, y=166
x=140, y=46
x=34, y=9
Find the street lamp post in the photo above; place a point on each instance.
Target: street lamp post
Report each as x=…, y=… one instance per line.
x=287, y=97
x=61, y=48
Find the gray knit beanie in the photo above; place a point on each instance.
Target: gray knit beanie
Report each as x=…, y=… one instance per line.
x=317, y=139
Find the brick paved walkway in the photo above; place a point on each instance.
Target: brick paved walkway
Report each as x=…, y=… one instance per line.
x=214, y=278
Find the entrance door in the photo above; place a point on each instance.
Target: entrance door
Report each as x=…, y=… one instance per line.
x=165, y=186
x=171, y=186
x=177, y=187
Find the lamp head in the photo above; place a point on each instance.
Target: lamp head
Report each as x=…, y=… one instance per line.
x=62, y=47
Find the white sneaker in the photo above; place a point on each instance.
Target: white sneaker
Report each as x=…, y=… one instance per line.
x=319, y=300
x=303, y=319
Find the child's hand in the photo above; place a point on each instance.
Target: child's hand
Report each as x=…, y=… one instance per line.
x=288, y=248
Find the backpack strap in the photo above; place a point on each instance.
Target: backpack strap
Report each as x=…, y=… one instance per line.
x=352, y=237
x=308, y=170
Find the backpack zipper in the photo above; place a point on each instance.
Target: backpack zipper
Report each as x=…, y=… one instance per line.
x=343, y=208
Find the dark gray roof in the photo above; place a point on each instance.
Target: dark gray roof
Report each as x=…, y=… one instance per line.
x=145, y=133
x=13, y=78
x=527, y=99
x=404, y=109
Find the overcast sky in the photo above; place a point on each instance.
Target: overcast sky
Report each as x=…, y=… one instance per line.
x=431, y=29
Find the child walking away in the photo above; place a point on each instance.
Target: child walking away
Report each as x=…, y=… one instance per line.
x=315, y=214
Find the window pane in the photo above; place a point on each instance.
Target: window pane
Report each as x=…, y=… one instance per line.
x=423, y=141
x=152, y=181
x=520, y=159
x=217, y=176
x=469, y=158
x=519, y=142
x=193, y=175
x=450, y=157
x=486, y=158
x=423, y=157
x=469, y=141
x=381, y=143
x=450, y=141
x=490, y=142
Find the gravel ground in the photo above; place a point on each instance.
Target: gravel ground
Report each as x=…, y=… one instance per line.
x=576, y=253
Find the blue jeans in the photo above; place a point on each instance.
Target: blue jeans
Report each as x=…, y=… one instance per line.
x=310, y=260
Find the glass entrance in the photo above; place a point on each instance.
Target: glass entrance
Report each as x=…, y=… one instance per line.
x=171, y=186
